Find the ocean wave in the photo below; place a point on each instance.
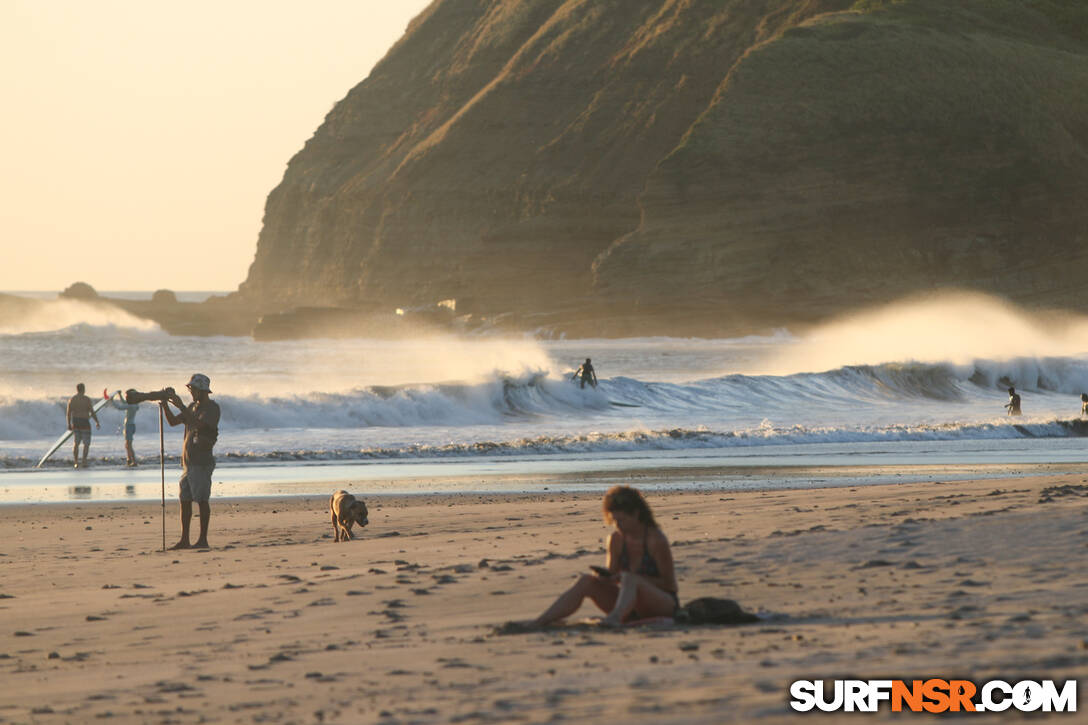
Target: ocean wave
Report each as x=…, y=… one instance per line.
x=493, y=402
x=763, y=435
x=504, y=398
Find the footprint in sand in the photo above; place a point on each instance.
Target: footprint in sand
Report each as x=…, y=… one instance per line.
x=392, y=616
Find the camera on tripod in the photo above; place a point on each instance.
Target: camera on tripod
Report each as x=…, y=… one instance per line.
x=133, y=396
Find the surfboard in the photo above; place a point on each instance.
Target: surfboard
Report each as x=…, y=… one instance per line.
x=68, y=433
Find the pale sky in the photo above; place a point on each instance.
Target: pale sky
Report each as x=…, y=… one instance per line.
x=141, y=138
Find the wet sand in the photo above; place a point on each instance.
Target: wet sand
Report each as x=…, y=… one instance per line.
x=276, y=623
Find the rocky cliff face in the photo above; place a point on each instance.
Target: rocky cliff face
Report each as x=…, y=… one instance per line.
x=671, y=165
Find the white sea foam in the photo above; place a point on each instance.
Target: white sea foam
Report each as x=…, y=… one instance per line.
x=891, y=397
x=954, y=327
x=444, y=397
x=765, y=436
x=19, y=317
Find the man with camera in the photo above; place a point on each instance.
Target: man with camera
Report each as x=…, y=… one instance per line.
x=201, y=419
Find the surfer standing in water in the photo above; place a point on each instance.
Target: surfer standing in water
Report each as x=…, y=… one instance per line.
x=201, y=419
x=1013, y=406
x=587, y=373
x=130, y=410
x=1084, y=404
x=78, y=414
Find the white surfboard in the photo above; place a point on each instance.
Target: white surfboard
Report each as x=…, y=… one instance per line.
x=68, y=433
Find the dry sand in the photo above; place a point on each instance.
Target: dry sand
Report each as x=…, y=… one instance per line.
x=276, y=623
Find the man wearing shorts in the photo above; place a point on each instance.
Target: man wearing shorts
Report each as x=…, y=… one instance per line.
x=201, y=419
x=79, y=413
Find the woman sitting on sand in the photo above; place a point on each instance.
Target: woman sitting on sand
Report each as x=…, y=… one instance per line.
x=639, y=582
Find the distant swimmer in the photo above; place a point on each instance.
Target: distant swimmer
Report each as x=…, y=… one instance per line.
x=1013, y=406
x=586, y=373
x=130, y=410
x=79, y=413
x=1084, y=404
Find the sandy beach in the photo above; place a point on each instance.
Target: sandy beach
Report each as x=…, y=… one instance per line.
x=980, y=579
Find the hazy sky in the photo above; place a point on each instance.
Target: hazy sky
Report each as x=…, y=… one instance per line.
x=142, y=138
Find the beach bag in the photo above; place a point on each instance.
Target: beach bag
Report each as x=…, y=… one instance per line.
x=711, y=610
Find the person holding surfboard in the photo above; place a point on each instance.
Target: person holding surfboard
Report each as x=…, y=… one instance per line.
x=130, y=410
x=79, y=413
x=201, y=419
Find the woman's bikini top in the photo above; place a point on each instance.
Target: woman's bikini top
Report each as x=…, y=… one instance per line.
x=647, y=567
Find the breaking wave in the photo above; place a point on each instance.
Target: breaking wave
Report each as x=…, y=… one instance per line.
x=540, y=413
x=534, y=396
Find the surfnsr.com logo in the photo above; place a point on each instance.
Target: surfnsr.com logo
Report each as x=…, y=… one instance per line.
x=933, y=695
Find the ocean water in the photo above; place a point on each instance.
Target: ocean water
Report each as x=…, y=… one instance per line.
x=923, y=382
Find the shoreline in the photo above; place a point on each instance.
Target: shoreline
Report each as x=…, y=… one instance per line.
x=288, y=481
x=980, y=578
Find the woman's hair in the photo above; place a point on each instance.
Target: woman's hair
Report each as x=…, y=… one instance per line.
x=628, y=500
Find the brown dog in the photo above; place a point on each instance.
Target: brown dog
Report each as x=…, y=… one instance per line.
x=346, y=511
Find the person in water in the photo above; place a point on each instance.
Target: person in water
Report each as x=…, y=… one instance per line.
x=587, y=373
x=1013, y=406
x=130, y=410
x=1084, y=404
x=640, y=581
x=201, y=419
x=79, y=413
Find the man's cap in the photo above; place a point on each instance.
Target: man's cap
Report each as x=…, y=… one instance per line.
x=200, y=382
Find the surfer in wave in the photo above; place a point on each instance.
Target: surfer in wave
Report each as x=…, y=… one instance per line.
x=586, y=373
x=79, y=413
